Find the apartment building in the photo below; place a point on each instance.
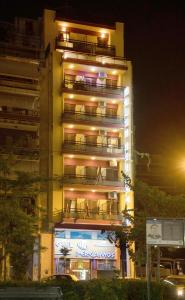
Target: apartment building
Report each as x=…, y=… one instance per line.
x=86, y=136
x=20, y=49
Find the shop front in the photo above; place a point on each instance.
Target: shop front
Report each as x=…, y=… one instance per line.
x=90, y=254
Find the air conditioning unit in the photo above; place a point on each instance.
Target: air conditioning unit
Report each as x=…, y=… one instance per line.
x=113, y=195
x=102, y=104
x=102, y=132
x=113, y=163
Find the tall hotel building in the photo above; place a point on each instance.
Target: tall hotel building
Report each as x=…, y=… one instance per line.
x=86, y=138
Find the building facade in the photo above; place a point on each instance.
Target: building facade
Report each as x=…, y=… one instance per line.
x=85, y=143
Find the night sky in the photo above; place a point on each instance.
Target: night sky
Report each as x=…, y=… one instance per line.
x=155, y=42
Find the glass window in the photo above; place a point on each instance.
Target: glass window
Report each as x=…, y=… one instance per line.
x=81, y=235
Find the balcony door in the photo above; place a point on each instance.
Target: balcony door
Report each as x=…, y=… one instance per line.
x=111, y=174
x=80, y=171
x=91, y=172
x=69, y=138
x=80, y=108
x=91, y=140
x=80, y=138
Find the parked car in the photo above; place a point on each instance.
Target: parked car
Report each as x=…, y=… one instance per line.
x=59, y=277
x=174, y=287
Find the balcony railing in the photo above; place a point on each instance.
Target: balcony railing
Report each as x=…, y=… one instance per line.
x=89, y=149
x=91, y=214
x=85, y=117
x=24, y=116
x=103, y=60
x=92, y=180
x=86, y=47
x=23, y=152
x=17, y=44
x=103, y=89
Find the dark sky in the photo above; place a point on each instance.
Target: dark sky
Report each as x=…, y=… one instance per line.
x=155, y=42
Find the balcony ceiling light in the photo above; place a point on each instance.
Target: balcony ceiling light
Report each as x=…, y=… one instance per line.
x=114, y=72
x=113, y=101
x=71, y=96
x=71, y=189
x=115, y=130
x=103, y=34
x=93, y=191
x=71, y=156
x=93, y=99
x=71, y=66
x=93, y=158
x=63, y=28
x=93, y=69
x=93, y=128
x=71, y=126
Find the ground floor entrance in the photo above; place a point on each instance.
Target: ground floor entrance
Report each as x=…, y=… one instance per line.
x=90, y=254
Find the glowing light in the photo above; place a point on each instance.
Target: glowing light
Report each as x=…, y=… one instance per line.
x=93, y=128
x=71, y=66
x=114, y=72
x=115, y=130
x=93, y=99
x=71, y=156
x=71, y=126
x=71, y=189
x=126, y=91
x=63, y=29
x=93, y=69
x=103, y=35
x=93, y=158
x=113, y=101
x=71, y=96
x=93, y=191
x=127, y=101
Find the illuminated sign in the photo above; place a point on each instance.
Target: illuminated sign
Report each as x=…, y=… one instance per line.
x=90, y=248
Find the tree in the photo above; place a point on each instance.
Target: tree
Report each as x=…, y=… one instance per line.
x=65, y=252
x=149, y=202
x=19, y=223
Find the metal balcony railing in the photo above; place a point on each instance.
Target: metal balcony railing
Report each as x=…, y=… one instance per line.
x=24, y=152
x=86, y=47
x=92, y=214
x=24, y=116
x=82, y=86
x=20, y=82
x=17, y=44
x=98, y=149
x=92, y=180
x=102, y=60
x=87, y=117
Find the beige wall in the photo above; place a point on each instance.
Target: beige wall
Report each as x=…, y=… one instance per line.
x=46, y=255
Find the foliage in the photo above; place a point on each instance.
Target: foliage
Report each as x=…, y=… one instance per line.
x=102, y=289
x=18, y=226
x=65, y=251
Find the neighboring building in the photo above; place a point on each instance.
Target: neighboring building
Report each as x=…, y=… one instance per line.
x=85, y=141
x=20, y=49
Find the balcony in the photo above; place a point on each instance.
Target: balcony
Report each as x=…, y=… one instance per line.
x=91, y=214
x=91, y=88
x=24, y=153
x=92, y=149
x=93, y=118
x=14, y=43
x=92, y=180
x=15, y=84
x=86, y=47
x=97, y=60
x=20, y=116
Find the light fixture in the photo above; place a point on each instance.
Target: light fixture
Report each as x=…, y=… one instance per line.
x=71, y=156
x=93, y=128
x=93, y=99
x=71, y=126
x=103, y=35
x=93, y=69
x=72, y=189
x=103, y=62
x=65, y=55
x=93, y=158
x=114, y=72
x=113, y=101
x=63, y=29
x=71, y=66
x=93, y=191
x=115, y=130
x=71, y=96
